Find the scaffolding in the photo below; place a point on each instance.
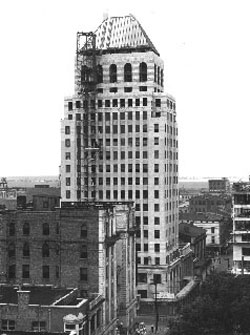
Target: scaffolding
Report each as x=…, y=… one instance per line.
x=87, y=145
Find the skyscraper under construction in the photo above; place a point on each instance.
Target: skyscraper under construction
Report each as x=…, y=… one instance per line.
x=120, y=142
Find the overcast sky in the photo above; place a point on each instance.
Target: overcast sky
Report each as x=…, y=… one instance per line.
x=205, y=46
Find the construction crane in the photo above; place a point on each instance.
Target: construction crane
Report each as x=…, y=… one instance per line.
x=87, y=145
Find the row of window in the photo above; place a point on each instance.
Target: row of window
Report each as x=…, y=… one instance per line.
x=149, y=260
x=45, y=229
x=120, y=103
x=46, y=272
x=130, y=168
x=45, y=249
x=26, y=229
x=123, y=141
x=87, y=73
x=10, y=325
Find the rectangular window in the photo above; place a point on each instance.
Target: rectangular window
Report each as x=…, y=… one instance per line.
x=157, y=260
x=67, y=181
x=67, y=142
x=158, y=102
x=38, y=326
x=130, y=102
x=113, y=89
x=99, y=103
x=83, y=274
x=156, y=154
x=130, y=128
x=145, y=220
x=145, y=102
x=143, y=88
x=26, y=271
x=122, y=154
x=157, y=278
x=156, y=128
x=67, y=130
x=130, y=167
x=156, y=207
x=145, y=247
x=145, y=168
x=70, y=105
x=156, y=194
x=156, y=181
x=45, y=271
x=137, y=102
x=67, y=155
x=145, y=263
x=114, y=103
x=130, y=116
x=156, y=168
x=138, y=247
x=145, y=141
x=130, y=154
x=7, y=324
x=78, y=104
x=143, y=293
x=122, y=103
x=127, y=89
x=142, y=277
x=130, y=181
x=145, y=233
x=157, y=233
x=68, y=195
x=144, y=154
x=137, y=194
x=145, y=207
x=122, y=127
x=157, y=247
x=156, y=221
x=156, y=141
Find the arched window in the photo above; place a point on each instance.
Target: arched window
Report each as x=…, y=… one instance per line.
x=155, y=67
x=143, y=72
x=162, y=78
x=26, y=228
x=45, y=250
x=45, y=228
x=11, y=250
x=26, y=250
x=84, y=231
x=128, y=72
x=83, y=251
x=85, y=74
x=12, y=229
x=113, y=73
x=99, y=74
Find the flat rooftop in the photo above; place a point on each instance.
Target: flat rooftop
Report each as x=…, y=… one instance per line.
x=42, y=295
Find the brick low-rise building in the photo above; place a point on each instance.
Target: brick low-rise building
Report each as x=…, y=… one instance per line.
x=44, y=309
x=85, y=246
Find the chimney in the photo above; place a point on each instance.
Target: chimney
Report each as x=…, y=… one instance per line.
x=23, y=301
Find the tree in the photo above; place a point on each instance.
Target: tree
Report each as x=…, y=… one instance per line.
x=223, y=307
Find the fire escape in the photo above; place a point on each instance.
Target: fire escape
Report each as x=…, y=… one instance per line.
x=87, y=146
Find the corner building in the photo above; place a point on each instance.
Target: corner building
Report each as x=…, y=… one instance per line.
x=120, y=142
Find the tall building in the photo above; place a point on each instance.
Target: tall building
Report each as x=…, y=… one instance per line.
x=119, y=140
x=241, y=227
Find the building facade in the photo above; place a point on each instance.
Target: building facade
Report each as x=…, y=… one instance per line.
x=241, y=228
x=216, y=227
x=219, y=185
x=88, y=247
x=119, y=139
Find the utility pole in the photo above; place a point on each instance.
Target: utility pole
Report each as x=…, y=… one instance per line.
x=156, y=305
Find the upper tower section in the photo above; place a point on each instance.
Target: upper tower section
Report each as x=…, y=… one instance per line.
x=123, y=32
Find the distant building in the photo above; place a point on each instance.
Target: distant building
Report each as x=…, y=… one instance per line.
x=211, y=203
x=241, y=227
x=219, y=185
x=89, y=247
x=216, y=226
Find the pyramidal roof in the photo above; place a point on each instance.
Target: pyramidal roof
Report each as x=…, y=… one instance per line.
x=122, y=32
